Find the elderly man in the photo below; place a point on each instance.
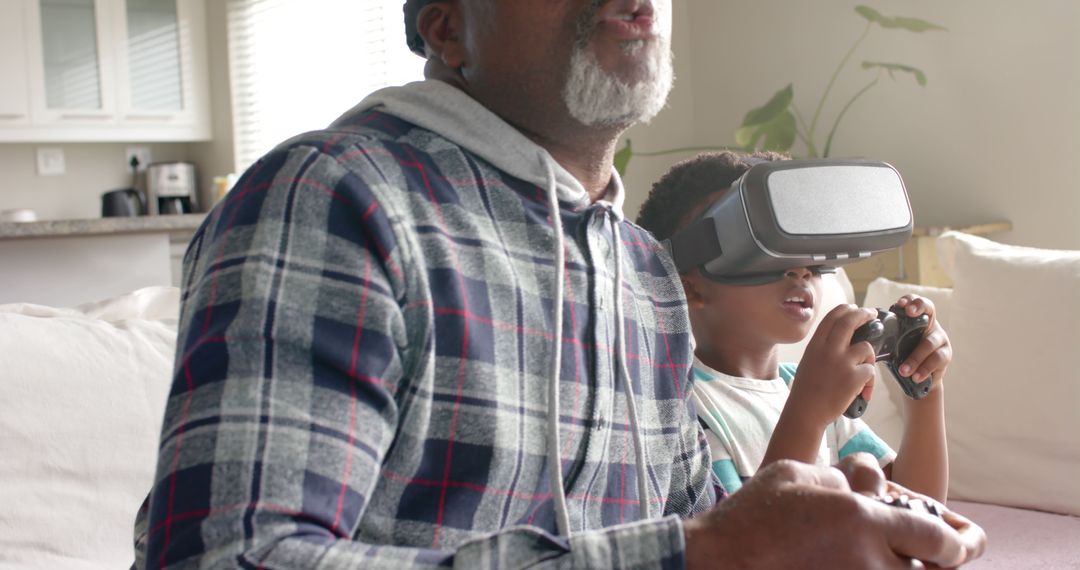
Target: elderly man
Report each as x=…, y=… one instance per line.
x=426, y=337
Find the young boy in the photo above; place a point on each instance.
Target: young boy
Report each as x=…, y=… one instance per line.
x=757, y=410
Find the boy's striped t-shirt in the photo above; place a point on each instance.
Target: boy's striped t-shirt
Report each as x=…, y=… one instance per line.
x=740, y=414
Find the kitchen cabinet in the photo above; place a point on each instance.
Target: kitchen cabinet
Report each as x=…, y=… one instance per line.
x=109, y=70
x=14, y=95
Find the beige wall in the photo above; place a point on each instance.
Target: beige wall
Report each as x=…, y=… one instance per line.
x=92, y=169
x=993, y=135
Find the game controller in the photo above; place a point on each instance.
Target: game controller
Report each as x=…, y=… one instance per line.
x=893, y=336
x=929, y=507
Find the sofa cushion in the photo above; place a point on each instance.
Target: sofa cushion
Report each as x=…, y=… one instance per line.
x=82, y=393
x=1020, y=538
x=1013, y=388
x=884, y=414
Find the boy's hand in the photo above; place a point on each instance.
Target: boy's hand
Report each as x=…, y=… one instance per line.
x=934, y=353
x=833, y=371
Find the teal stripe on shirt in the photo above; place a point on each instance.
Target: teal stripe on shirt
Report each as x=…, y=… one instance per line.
x=725, y=471
x=866, y=442
x=702, y=375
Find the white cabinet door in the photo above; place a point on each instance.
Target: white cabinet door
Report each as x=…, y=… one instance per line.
x=104, y=70
x=73, y=60
x=15, y=88
x=161, y=58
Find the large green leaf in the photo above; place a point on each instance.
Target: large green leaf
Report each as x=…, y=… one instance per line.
x=911, y=24
x=869, y=13
x=892, y=68
x=622, y=157
x=778, y=134
x=779, y=103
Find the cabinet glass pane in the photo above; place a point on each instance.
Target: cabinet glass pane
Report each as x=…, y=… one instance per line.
x=154, y=55
x=69, y=43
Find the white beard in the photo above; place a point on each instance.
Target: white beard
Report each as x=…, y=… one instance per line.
x=597, y=98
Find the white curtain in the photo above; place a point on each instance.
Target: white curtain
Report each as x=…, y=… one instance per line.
x=296, y=65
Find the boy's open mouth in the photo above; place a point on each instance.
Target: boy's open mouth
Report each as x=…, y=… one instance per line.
x=800, y=299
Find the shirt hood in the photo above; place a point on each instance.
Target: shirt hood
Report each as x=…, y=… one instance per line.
x=444, y=109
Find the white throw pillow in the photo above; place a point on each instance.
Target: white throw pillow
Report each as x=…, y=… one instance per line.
x=82, y=395
x=885, y=413
x=1013, y=389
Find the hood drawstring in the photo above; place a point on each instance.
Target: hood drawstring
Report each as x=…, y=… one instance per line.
x=558, y=493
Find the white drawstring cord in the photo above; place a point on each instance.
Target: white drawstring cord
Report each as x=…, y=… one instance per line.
x=624, y=373
x=558, y=494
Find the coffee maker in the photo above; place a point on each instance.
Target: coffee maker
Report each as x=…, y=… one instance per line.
x=171, y=188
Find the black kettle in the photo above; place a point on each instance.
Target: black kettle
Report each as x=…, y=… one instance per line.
x=124, y=202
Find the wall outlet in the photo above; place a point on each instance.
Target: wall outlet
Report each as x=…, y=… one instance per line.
x=50, y=161
x=140, y=154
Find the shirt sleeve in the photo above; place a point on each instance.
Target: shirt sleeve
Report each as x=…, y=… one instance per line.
x=292, y=367
x=854, y=436
x=723, y=466
x=848, y=436
x=717, y=438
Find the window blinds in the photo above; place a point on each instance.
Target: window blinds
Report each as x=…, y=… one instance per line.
x=296, y=65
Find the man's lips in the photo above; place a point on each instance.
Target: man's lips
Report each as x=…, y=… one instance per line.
x=640, y=28
x=627, y=20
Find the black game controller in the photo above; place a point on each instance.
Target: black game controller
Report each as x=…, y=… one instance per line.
x=929, y=507
x=893, y=336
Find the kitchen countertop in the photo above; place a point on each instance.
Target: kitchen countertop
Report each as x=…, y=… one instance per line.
x=101, y=226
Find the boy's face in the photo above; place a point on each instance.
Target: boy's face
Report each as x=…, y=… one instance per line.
x=780, y=312
x=751, y=317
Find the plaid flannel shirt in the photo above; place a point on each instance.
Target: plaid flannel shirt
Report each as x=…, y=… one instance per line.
x=362, y=370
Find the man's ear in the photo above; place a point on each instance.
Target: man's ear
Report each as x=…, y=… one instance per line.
x=439, y=23
x=691, y=283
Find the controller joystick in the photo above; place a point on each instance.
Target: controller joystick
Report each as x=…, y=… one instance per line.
x=893, y=335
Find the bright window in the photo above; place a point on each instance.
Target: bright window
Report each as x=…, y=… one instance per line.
x=297, y=65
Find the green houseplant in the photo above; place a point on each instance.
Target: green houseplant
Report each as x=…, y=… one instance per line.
x=778, y=124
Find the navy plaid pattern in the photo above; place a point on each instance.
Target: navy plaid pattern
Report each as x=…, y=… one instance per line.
x=362, y=370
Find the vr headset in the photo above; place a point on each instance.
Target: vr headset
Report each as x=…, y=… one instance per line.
x=817, y=213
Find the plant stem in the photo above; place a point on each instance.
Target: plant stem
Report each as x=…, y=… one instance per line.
x=803, y=133
x=828, y=142
x=835, y=75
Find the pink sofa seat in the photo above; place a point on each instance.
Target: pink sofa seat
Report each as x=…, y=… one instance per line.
x=1021, y=538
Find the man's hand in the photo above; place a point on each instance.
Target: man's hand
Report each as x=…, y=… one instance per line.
x=793, y=515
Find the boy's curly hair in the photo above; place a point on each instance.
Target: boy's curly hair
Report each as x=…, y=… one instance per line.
x=684, y=187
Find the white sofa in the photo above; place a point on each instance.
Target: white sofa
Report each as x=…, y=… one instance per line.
x=1012, y=394
x=82, y=391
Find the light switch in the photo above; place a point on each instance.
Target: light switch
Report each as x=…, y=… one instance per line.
x=50, y=162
